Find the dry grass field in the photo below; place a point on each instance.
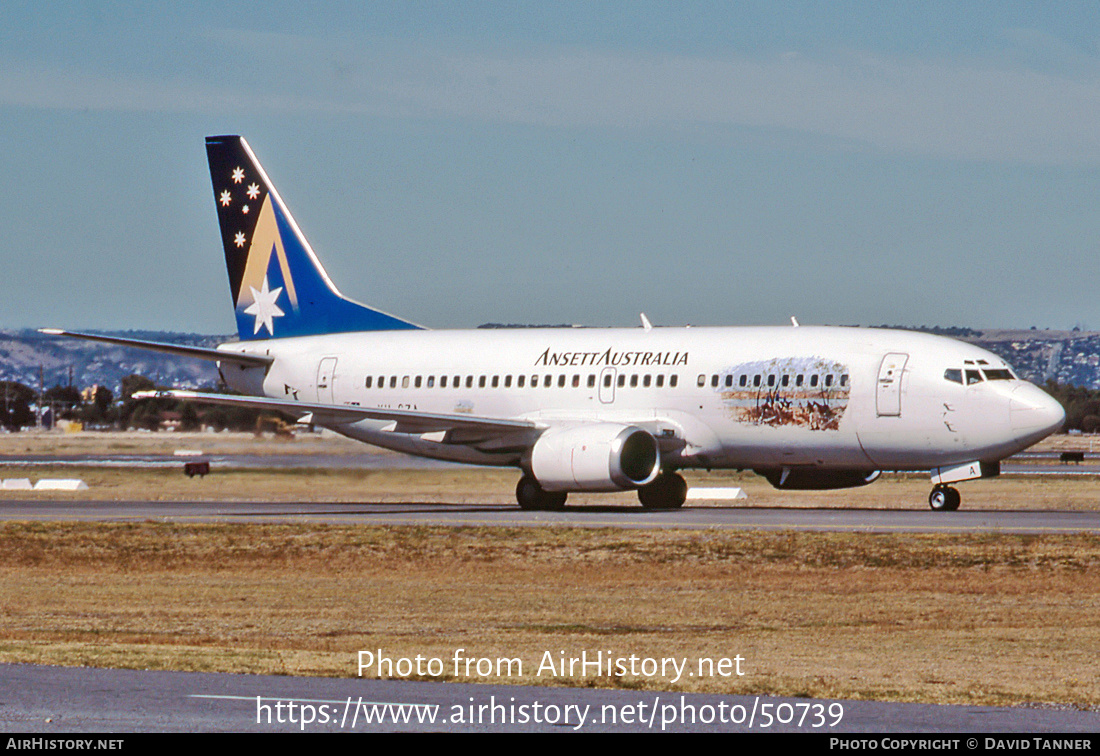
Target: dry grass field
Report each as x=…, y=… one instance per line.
x=989, y=619
x=963, y=619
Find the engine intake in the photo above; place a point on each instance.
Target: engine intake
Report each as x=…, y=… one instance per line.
x=595, y=457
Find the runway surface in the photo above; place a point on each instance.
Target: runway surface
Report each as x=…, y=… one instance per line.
x=1025, y=464
x=40, y=699
x=763, y=518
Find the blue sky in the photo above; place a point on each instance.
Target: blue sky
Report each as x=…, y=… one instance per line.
x=461, y=163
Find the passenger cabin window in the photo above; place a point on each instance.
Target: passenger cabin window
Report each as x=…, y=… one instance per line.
x=954, y=375
x=591, y=381
x=673, y=380
x=744, y=381
x=369, y=378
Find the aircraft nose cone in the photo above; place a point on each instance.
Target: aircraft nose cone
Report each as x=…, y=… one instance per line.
x=1034, y=412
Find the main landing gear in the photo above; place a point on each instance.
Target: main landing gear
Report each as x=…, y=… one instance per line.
x=532, y=497
x=667, y=491
x=944, y=498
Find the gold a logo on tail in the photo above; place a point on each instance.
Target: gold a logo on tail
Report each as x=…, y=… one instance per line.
x=256, y=297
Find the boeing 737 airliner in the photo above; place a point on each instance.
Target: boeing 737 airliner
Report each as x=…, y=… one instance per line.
x=595, y=409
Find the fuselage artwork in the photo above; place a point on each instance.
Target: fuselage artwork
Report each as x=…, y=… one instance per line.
x=596, y=409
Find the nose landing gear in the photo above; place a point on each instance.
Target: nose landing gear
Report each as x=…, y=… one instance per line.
x=944, y=499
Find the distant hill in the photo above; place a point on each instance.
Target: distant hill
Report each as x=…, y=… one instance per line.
x=23, y=352
x=1069, y=357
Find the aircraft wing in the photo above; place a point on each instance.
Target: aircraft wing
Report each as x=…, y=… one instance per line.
x=202, y=353
x=460, y=429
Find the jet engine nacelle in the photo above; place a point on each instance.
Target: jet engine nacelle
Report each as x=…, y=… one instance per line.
x=595, y=457
x=795, y=479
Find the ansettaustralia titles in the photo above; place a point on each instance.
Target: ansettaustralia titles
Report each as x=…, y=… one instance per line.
x=611, y=357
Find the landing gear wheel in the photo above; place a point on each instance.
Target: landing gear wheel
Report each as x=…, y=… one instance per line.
x=944, y=499
x=668, y=491
x=532, y=497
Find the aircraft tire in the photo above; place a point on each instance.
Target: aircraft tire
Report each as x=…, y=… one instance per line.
x=944, y=499
x=531, y=496
x=668, y=491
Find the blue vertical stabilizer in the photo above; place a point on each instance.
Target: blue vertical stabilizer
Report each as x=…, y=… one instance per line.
x=279, y=286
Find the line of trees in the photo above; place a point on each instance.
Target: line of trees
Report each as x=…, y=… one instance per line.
x=104, y=411
x=1082, y=406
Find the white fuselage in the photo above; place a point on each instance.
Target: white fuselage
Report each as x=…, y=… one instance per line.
x=746, y=397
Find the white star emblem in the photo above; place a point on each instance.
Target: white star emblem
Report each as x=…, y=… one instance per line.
x=239, y=239
x=244, y=209
x=264, y=309
x=253, y=191
x=238, y=175
x=226, y=198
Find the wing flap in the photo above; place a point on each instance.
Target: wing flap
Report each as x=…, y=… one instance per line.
x=458, y=429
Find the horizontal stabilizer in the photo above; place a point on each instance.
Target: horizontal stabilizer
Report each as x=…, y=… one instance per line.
x=201, y=353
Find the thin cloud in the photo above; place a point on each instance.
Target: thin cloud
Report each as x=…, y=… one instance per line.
x=1001, y=111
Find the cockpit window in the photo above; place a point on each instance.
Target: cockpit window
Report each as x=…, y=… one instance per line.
x=972, y=377
x=953, y=374
x=997, y=375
